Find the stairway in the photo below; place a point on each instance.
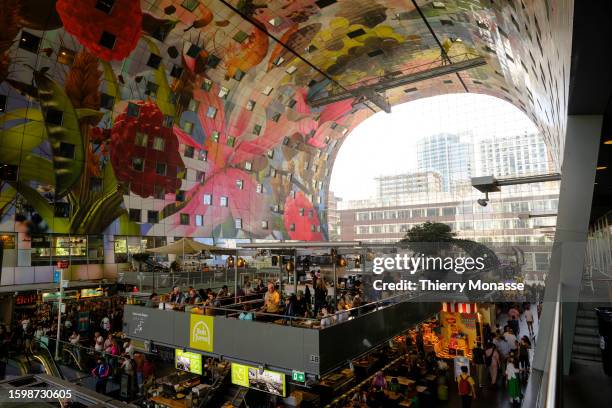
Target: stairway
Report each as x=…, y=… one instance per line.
x=586, y=336
x=238, y=399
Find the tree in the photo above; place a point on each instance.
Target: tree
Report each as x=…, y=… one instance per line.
x=429, y=232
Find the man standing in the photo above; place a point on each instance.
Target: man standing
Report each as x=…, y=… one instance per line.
x=101, y=372
x=529, y=319
x=467, y=390
x=479, y=361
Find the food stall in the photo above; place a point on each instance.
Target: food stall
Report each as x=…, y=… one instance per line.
x=460, y=329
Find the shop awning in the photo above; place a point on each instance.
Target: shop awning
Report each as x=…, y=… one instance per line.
x=189, y=246
x=459, y=307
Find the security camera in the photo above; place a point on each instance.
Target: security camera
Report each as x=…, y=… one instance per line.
x=483, y=201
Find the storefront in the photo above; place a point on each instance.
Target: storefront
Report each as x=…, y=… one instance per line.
x=461, y=329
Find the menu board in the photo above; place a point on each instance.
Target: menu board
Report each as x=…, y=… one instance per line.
x=188, y=361
x=138, y=323
x=263, y=380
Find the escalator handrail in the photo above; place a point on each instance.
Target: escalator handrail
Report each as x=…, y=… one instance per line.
x=41, y=357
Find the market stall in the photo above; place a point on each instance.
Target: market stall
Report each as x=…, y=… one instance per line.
x=460, y=330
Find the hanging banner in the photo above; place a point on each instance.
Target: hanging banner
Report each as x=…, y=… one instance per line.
x=201, y=329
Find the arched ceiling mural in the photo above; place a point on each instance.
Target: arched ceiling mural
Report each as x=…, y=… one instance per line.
x=186, y=117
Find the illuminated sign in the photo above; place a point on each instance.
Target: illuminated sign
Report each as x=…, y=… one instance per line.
x=259, y=379
x=26, y=299
x=201, y=329
x=89, y=293
x=187, y=361
x=54, y=296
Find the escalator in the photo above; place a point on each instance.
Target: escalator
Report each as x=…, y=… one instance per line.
x=40, y=352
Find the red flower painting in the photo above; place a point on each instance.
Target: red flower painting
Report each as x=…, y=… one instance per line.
x=144, y=152
x=110, y=33
x=301, y=220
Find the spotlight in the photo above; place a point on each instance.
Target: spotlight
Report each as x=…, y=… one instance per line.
x=483, y=202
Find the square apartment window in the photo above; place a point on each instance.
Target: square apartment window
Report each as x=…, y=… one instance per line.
x=190, y=4
x=159, y=144
x=248, y=166
x=168, y=121
x=193, y=51
x=211, y=112
x=230, y=141
x=238, y=75
x=54, y=117
x=292, y=227
x=250, y=105
x=176, y=71
x=141, y=139
x=259, y=188
x=152, y=217
x=159, y=192
x=188, y=127
x=301, y=211
x=65, y=56
x=193, y=105
x=8, y=172
x=184, y=219
x=160, y=169
x=151, y=89
x=257, y=130
x=223, y=202
x=107, y=40
x=199, y=220
x=29, y=42
x=276, y=117
x=105, y=6
x=223, y=92
x=213, y=61
x=200, y=176
x=66, y=150
x=215, y=136
x=267, y=90
x=239, y=184
x=133, y=110
x=238, y=223
x=207, y=84
x=240, y=37
x=291, y=70
x=189, y=152
x=95, y=184
x=106, y=101
x=264, y=225
x=270, y=154
x=61, y=210
x=138, y=164
x=203, y=155
x=207, y=199
x=154, y=61
x=134, y=215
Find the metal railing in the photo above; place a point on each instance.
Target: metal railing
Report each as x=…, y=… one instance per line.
x=550, y=390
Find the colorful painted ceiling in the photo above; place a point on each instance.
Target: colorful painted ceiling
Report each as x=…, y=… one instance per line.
x=186, y=117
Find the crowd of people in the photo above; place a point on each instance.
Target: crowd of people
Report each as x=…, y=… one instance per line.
x=256, y=301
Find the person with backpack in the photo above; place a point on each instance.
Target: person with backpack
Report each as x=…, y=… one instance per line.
x=466, y=387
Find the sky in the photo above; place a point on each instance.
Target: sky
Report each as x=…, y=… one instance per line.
x=385, y=144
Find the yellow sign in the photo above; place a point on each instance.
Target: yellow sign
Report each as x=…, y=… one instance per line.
x=240, y=375
x=201, y=329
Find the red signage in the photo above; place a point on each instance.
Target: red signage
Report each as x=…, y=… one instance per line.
x=63, y=264
x=26, y=299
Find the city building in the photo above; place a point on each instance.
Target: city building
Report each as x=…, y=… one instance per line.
x=452, y=156
x=399, y=187
x=514, y=156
